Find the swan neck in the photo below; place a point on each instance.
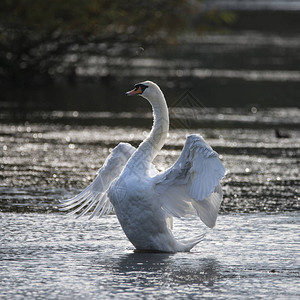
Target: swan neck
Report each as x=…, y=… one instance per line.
x=159, y=132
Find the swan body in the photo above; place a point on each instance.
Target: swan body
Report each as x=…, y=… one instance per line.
x=144, y=200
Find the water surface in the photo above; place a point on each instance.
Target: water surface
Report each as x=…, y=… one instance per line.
x=245, y=256
x=252, y=253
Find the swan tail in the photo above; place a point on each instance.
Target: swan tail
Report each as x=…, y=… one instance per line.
x=186, y=245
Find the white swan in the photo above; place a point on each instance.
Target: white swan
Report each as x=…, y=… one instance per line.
x=145, y=200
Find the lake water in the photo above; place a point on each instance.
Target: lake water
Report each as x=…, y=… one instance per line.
x=252, y=253
x=247, y=256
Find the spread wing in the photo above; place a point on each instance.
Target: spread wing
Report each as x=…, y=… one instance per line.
x=94, y=197
x=191, y=185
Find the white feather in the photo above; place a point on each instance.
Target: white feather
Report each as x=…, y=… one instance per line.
x=146, y=201
x=191, y=185
x=95, y=195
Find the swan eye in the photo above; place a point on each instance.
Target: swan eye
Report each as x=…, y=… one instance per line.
x=140, y=85
x=137, y=90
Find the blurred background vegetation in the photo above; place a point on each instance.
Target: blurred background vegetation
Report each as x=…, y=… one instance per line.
x=36, y=36
x=101, y=47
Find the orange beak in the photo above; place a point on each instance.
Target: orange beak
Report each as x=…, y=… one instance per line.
x=135, y=91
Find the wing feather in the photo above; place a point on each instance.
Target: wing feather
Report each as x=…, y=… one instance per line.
x=191, y=185
x=208, y=208
x=95, y=195
x=100, y=203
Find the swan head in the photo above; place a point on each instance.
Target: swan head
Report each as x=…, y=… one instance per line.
x=147, y=89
